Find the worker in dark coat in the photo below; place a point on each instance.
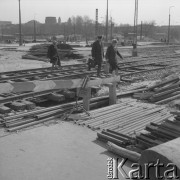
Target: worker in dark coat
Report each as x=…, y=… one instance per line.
x=111, y=56
x=53, y=55
x=98, y=54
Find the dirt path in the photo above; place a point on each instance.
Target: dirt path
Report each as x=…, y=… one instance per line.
x=11, y=61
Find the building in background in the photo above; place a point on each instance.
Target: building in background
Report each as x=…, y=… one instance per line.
x=4, y=23
x=4, y=36
x=50, y=20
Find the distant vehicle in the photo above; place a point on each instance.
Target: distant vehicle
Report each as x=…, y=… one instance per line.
x=128, y=39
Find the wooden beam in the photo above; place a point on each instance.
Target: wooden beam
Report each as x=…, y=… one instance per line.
x=86, y=99
x=37, y=86
x=112, y=93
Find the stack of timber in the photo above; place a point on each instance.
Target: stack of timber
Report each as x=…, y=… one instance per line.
x=127, y=118
x=163, y=92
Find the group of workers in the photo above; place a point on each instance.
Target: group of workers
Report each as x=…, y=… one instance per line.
x=97, y=53
x=110, y=56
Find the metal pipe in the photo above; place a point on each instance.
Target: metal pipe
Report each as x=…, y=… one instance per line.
x=109, y=138
x=121, y=121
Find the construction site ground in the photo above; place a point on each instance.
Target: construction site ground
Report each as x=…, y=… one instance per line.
x=58, y=152
x=52, y=152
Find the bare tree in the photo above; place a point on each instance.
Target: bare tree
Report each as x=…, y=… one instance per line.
x=148, y=28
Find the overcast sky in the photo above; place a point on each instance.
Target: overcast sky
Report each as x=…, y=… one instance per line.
x=122, y=11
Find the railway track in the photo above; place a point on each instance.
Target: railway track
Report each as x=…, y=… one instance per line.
x=128, y=69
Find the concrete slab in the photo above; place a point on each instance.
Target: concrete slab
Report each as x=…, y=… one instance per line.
x=58, y=152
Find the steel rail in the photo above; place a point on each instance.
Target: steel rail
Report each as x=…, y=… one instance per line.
x=54, y=72
x=59, y=74
x=37, y=69
x=26, y=95
x=49, y=116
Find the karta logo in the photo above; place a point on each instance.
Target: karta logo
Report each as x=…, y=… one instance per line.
x=116, y=167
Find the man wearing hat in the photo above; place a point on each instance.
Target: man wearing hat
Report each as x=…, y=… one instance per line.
x=53, y=55
x=98, y=54
x=111, y=56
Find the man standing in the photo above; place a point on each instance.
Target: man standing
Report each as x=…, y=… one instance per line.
x=111, y=56
x=53, y=55
x=98, y=54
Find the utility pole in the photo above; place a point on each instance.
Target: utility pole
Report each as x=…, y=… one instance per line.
x=20, y=28
x=34, y=30
x=134, y=53
x=141, y=31
x=169, y=25
x=107, y=23
x=96, y=24
x=86, y=33
x=111, y=28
